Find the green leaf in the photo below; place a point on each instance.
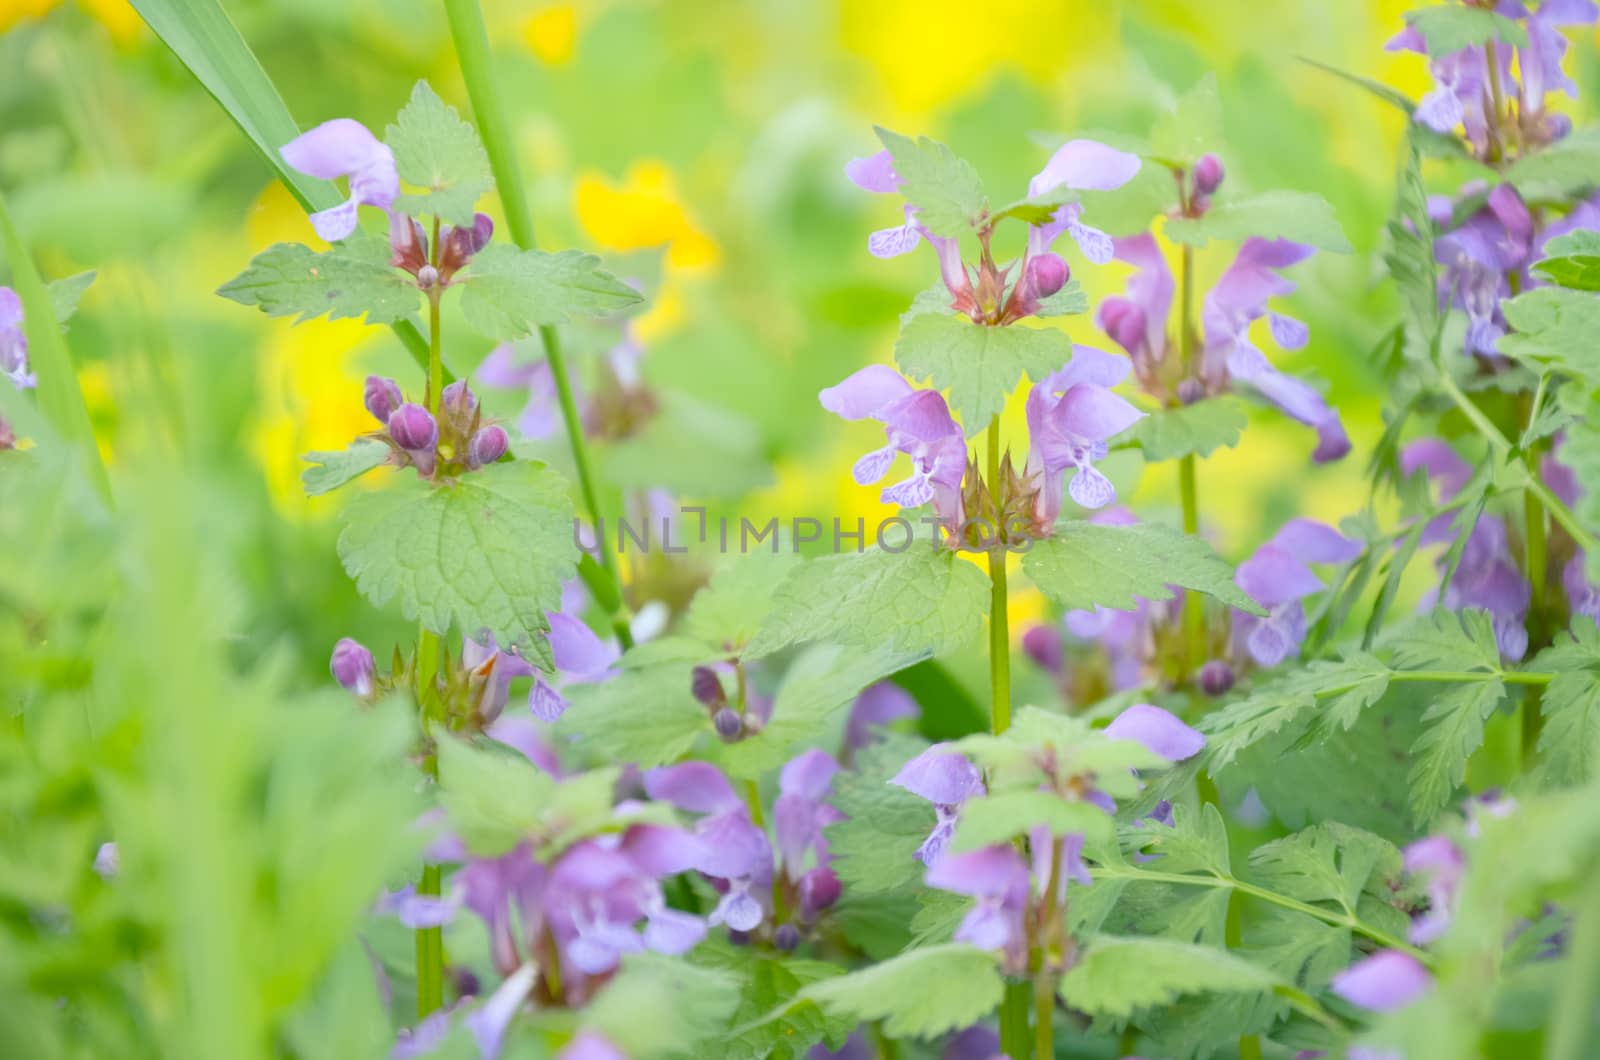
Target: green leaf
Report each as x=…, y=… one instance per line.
x=353, y=279
x=1410, y=256
x=980, y=366
x=65, y=294
x=1201, y=428
x=1036, y=209
x=1085, y=565
x=818, y=684
x=1287, y=703
x=495, y=797
x=1561, y=170
x=647, y=716
x=330, y=470
x=1451, y=28
x=1070, y=301
x=1570, y=741
x=875, y=847
x=1446, y=640
x=1454, y=730
x=945, y=189
x=1553, y=328
x=1583, y=242
x=1297, y=215
x=919, y=994
x=1192, y=128
x=434, y=149
x=488, y=552
x=60, y=398
x=1329, y=862
x=1577, y=272
x=1004, y=816
x=730, y=610
x=206, y=41
x=1118, y=976
x=508, y=292
x=768, y=983
x=659, y=1006
x=920, y=600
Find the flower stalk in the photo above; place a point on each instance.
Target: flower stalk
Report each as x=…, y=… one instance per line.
x=999, y=622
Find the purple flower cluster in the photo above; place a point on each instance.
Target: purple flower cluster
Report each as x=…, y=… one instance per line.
x=1278, y=577
x=456, y=441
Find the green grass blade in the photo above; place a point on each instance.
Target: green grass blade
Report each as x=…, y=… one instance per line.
x=206, y=41
x=60, y=399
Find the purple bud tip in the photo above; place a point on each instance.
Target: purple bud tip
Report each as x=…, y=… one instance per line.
x=427, y=276
x=706, y=686
x=489, y=445
x=353, y=667
x=479, y=234
x=1560, y=125
x=458, y=401
x=1208, y=174
x=1191, y=390
x=786, y=938
x=1216, y=678
x=1043, y=645
x=412, y=428
x=382, y=397
x=1047, y=274
x=728, y=724
x=1124, y=322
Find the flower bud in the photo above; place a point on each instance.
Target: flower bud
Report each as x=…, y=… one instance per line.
x=728, y=724
x=1208, y=174
x=408, y=243
x=427, y=276
x=460, y=244
x=707, y=687
x=1046, y=274
x=786, y=938
x=107, y=862
x=1190, y=390
x=488, y=445
x=1124, y=322
x=382, y=397
x=1216, y=678
x=459, y=403
x=1043, y=645
x=353, y=667
x=413, y=429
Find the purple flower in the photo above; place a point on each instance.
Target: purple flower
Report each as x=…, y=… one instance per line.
x=1043, y=645
x=917, y=423
x=580, y=657
x=1277, y=578
x=1071, y=416
x=417, y=910
x=488, y=1022
x=1079, y=165
x=14, y=342
x=424, y=1038
x=541, y=416
x=1383, y=982
x=1478, y=256
x=381, y=397
x=799, y=817
x=1440, y=864
x=1138, y=322
x=344, y=148
x=1160, y=731
x=590, y=1045
x=878, y=705
x=732, y=848
x=107, y=862
x=998, y=878
x=1460, y=86
x=353, y=667
x=946, y=779
x=974, y=1043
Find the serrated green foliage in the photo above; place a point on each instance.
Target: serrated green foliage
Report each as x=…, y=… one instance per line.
x=1450, y=28
x=1329, y=862
x=945, y=189
x=911, y=602
x=434, y=149
x=1085, y=565
x=1201, y=429
x=657, y=1006
x=1448, y=640
x=920, y=994
x=729, y=611
x=1192, y=128
x=330, y=470
x=1354, y=683
x=819, y=683
x=879, y=925
x=875, y=848
x=494, y=796
x=1560, y=170
x=1553, y=329
x=1188, y=844
x=65, y=294
x=488, y=552
x=769, y=984
x=1119, y=976
x=1570, y=740
x=980, y=366
x=1004, y=816
x=1410, y=255
x=646, y=715
x=352, y=280
x=1014, y=761
x=1572, y=260
x=1071, y=300
x=1454, y=730
x=507, y=293
x=1301, y=216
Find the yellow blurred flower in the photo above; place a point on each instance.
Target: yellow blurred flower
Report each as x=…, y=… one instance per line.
x=552, y=34
x=118, y=16
x=643, y=212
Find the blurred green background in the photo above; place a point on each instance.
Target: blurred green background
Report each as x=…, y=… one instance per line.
x=708, y=135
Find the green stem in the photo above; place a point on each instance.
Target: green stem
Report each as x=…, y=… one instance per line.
x=430, y=952
x=999, y=631
x=1014, y=1005
x=1328, y=916
x=1537, y=551
x=471, y=38
x=1573, y=1019
x=1194, y=615
x=1552, y=504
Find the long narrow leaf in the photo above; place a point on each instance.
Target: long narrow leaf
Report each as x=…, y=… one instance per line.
x=206, y=41
x=60, y=399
